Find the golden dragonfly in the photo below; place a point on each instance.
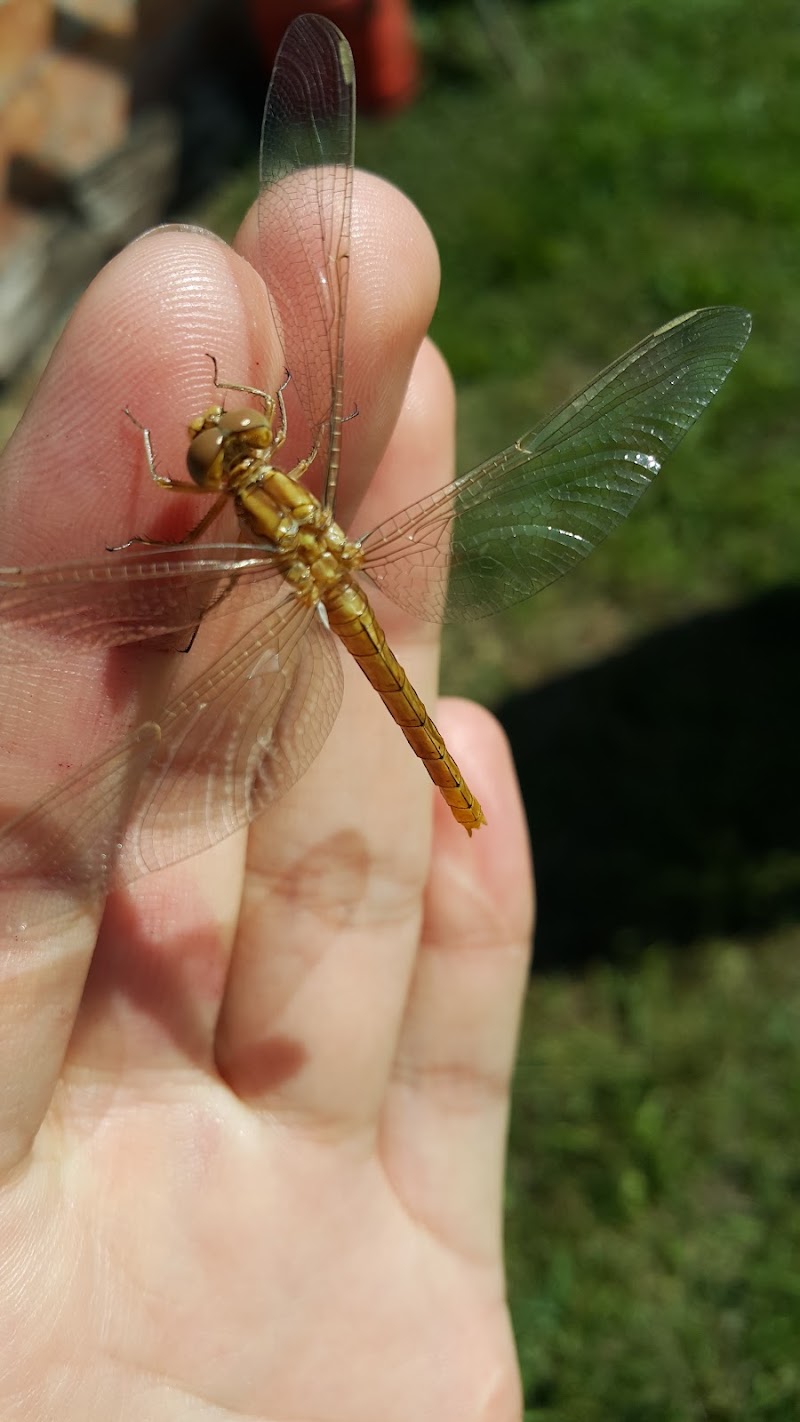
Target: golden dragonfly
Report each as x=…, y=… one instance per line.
x=240, y=733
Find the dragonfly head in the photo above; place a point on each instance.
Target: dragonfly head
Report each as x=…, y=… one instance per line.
x=218, y=438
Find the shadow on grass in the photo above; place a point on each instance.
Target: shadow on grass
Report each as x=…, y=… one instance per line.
x=662, y=787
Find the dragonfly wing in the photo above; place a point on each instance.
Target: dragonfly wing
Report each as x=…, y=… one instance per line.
x=508, y=528
x=141, y=594
x=236, y=739
x=229, y=743
x=57, y=858
x=307, y=140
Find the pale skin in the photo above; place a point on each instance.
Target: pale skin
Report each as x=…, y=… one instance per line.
x=252, y=1123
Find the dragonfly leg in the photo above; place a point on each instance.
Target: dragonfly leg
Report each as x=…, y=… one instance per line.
x=303, y=465
x=206, y=521
x=279, y=436
x=186, y=486
x=182, y=486
x=209, y=517
x=267, y=400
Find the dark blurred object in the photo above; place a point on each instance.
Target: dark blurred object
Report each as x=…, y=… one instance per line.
x=53, y=245
x=507, y=42
x=89, y=145
x=465, y=46
x=661, y=787
x=380, y=33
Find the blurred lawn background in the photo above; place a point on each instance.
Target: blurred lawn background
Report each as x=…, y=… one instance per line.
x=590, y=171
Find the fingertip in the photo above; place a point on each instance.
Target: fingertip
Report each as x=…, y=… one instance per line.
x=490, y=872
x=137, y=340
x=392, y=288
x=420, y=457
x=388, y=234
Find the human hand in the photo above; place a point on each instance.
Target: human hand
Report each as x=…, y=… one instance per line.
x=253, y=1122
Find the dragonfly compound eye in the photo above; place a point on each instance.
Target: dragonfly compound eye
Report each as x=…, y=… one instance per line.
x=240, y=421
x=203, y=452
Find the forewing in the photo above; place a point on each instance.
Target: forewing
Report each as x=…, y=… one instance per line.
x=307, y=142
x=508, y=528
x=137, y=595
x=236, y=739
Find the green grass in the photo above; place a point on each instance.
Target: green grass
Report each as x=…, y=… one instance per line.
x=653, y=1230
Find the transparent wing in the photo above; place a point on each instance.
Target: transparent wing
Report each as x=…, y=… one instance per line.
x=141, y=594
x=57, y=857
x=500, y=533
x=307, y=142
x=235, y=739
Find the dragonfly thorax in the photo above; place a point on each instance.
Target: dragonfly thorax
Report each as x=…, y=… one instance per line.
x=310, y=549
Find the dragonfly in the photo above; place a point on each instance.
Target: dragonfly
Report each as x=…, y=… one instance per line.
x=236, y=736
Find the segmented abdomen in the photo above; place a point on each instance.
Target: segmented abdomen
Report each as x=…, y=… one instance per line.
x=352, y=619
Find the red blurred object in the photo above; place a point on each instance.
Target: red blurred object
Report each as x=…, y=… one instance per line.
x=381, y=37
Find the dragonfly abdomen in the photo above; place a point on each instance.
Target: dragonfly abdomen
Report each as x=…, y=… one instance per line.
x=351, y=617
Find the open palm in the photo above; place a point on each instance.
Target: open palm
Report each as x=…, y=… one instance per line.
x=252, y=1124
